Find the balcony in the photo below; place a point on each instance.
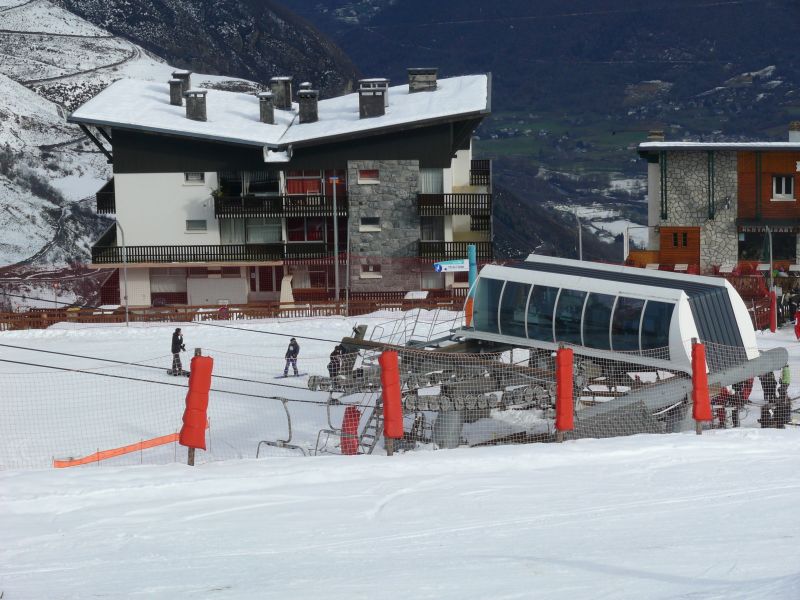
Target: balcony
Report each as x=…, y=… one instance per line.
x=480, y=172
x=235, y=207
x=437, y=205
x=106, y=202
x=105, y=255
x=437, y=251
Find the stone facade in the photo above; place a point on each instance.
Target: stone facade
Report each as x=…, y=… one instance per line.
x=687, y=203
x=393, y=201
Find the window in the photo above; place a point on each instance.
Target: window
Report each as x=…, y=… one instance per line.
x=432, y=281
x=431, y=229
x=540, y=313
x=310, y=229
x=597, y=321
x=568, y=316
x=512, y=308
x=655, y=324
x=196, y=225
x=371, y=271
x=431, y=181
x=625, y=324
x=194, y=178
x=782, y=187
x=674, y=240
x=198, y=272
x=262, y=230
x=680, y=240
x=306, y=183
x=231, y=273
x=754, y=245
x=369, y=176
x=487, y=300
x=685, y=239
x=370, y=224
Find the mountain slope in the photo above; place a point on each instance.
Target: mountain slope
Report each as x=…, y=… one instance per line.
x=253, y=39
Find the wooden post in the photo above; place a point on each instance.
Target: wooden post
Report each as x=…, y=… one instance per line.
x=190, y=462
x=198, y=352
x=389, y=446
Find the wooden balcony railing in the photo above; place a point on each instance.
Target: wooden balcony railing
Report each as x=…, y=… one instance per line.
x=106, y=202
x=480, y=172
x=436, y=205
x=454, y=250
x=188, y=254
x=227, y=207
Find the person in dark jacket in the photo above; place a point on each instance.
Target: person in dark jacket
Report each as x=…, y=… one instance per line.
x=176, y=348
x=335, y=364
x=291, y=357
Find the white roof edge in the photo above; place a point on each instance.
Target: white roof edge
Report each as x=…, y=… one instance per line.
x=705, y=280
x=742, y=145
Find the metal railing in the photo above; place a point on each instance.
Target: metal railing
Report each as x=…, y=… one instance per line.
x=454, y=250
x=226, y=207
x=188, y=254
x=435, y=205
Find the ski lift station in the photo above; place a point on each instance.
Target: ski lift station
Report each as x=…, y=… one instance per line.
x=608, y=311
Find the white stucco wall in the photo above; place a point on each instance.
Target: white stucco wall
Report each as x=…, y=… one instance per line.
x=213, y=290
x=138, y=287
x=460, y=166
x=153, y=209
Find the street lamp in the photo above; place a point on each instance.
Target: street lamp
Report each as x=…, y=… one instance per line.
x=124, y=272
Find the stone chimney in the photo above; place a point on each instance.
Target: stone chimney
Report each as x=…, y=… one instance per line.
x=176, y=92
x=372, y=97
x=794, y=131
x=186, y=80
x=266, y=108
x=281, y=88
x=655, y=135
x=196, y=104
x=422, y=80
x=308, y=100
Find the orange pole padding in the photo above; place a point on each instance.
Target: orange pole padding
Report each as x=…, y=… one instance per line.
x=352, y=417
x=114, y=452
x=195, y=418
x=773, y=312
x=797, y=324
x=565, y=406
x=701, y=402
x=468, y=311
x=392, y=403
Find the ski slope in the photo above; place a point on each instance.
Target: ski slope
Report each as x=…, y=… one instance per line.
x=668, y=516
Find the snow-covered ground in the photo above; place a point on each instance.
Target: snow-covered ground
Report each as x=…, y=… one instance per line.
x=649, y=516
x=607, y=222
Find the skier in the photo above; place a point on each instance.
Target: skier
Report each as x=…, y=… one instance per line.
x=176, y=348
x=768, y=412
x=291, y=357
x=335, y=364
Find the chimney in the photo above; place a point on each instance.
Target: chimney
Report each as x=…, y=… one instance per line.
x=308, y=105
x=185, y=78
x=176, y=92
x=794, y=131
x=372, y=97
x=196, y=105
x=422, y=80
x=281, y=88
x=655, y=135
x=266, y=108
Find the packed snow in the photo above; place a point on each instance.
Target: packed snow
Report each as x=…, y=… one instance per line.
x=649, y=516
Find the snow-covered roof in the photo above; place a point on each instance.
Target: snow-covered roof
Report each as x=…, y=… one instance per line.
x=644, y=146
x=234, y=117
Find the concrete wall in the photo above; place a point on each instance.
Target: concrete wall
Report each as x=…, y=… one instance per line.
x=687, y=202
x=460, y=168
x=153, y=209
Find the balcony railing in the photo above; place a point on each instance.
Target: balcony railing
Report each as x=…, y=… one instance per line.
x=437, y=205
x=230, y=207
x=188, y=254
x=454, y=250
x=106, y=202
x=480, y=172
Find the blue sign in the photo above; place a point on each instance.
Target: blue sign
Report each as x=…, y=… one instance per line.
x=449, y=266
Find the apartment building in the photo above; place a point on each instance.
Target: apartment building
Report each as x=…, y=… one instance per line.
x=713, y=206
x=233, y=197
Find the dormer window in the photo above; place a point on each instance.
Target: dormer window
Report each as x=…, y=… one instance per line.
x=782, y=187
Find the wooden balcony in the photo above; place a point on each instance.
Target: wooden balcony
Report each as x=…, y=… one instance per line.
x=106, y=202
x=437, y=205
x=437, y=251
x=480, y=172
x=113, y=254
x=235, y=207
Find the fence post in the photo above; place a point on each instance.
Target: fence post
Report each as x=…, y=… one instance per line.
x=701, y=403
x=392, y=404
x=195, y=418
x=565, y=402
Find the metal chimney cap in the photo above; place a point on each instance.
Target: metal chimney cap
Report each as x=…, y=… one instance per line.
x=265, y=94
x=423, y=70
x=195, y=92
x=282, y=78
x=181, y=73
x=307, y=93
